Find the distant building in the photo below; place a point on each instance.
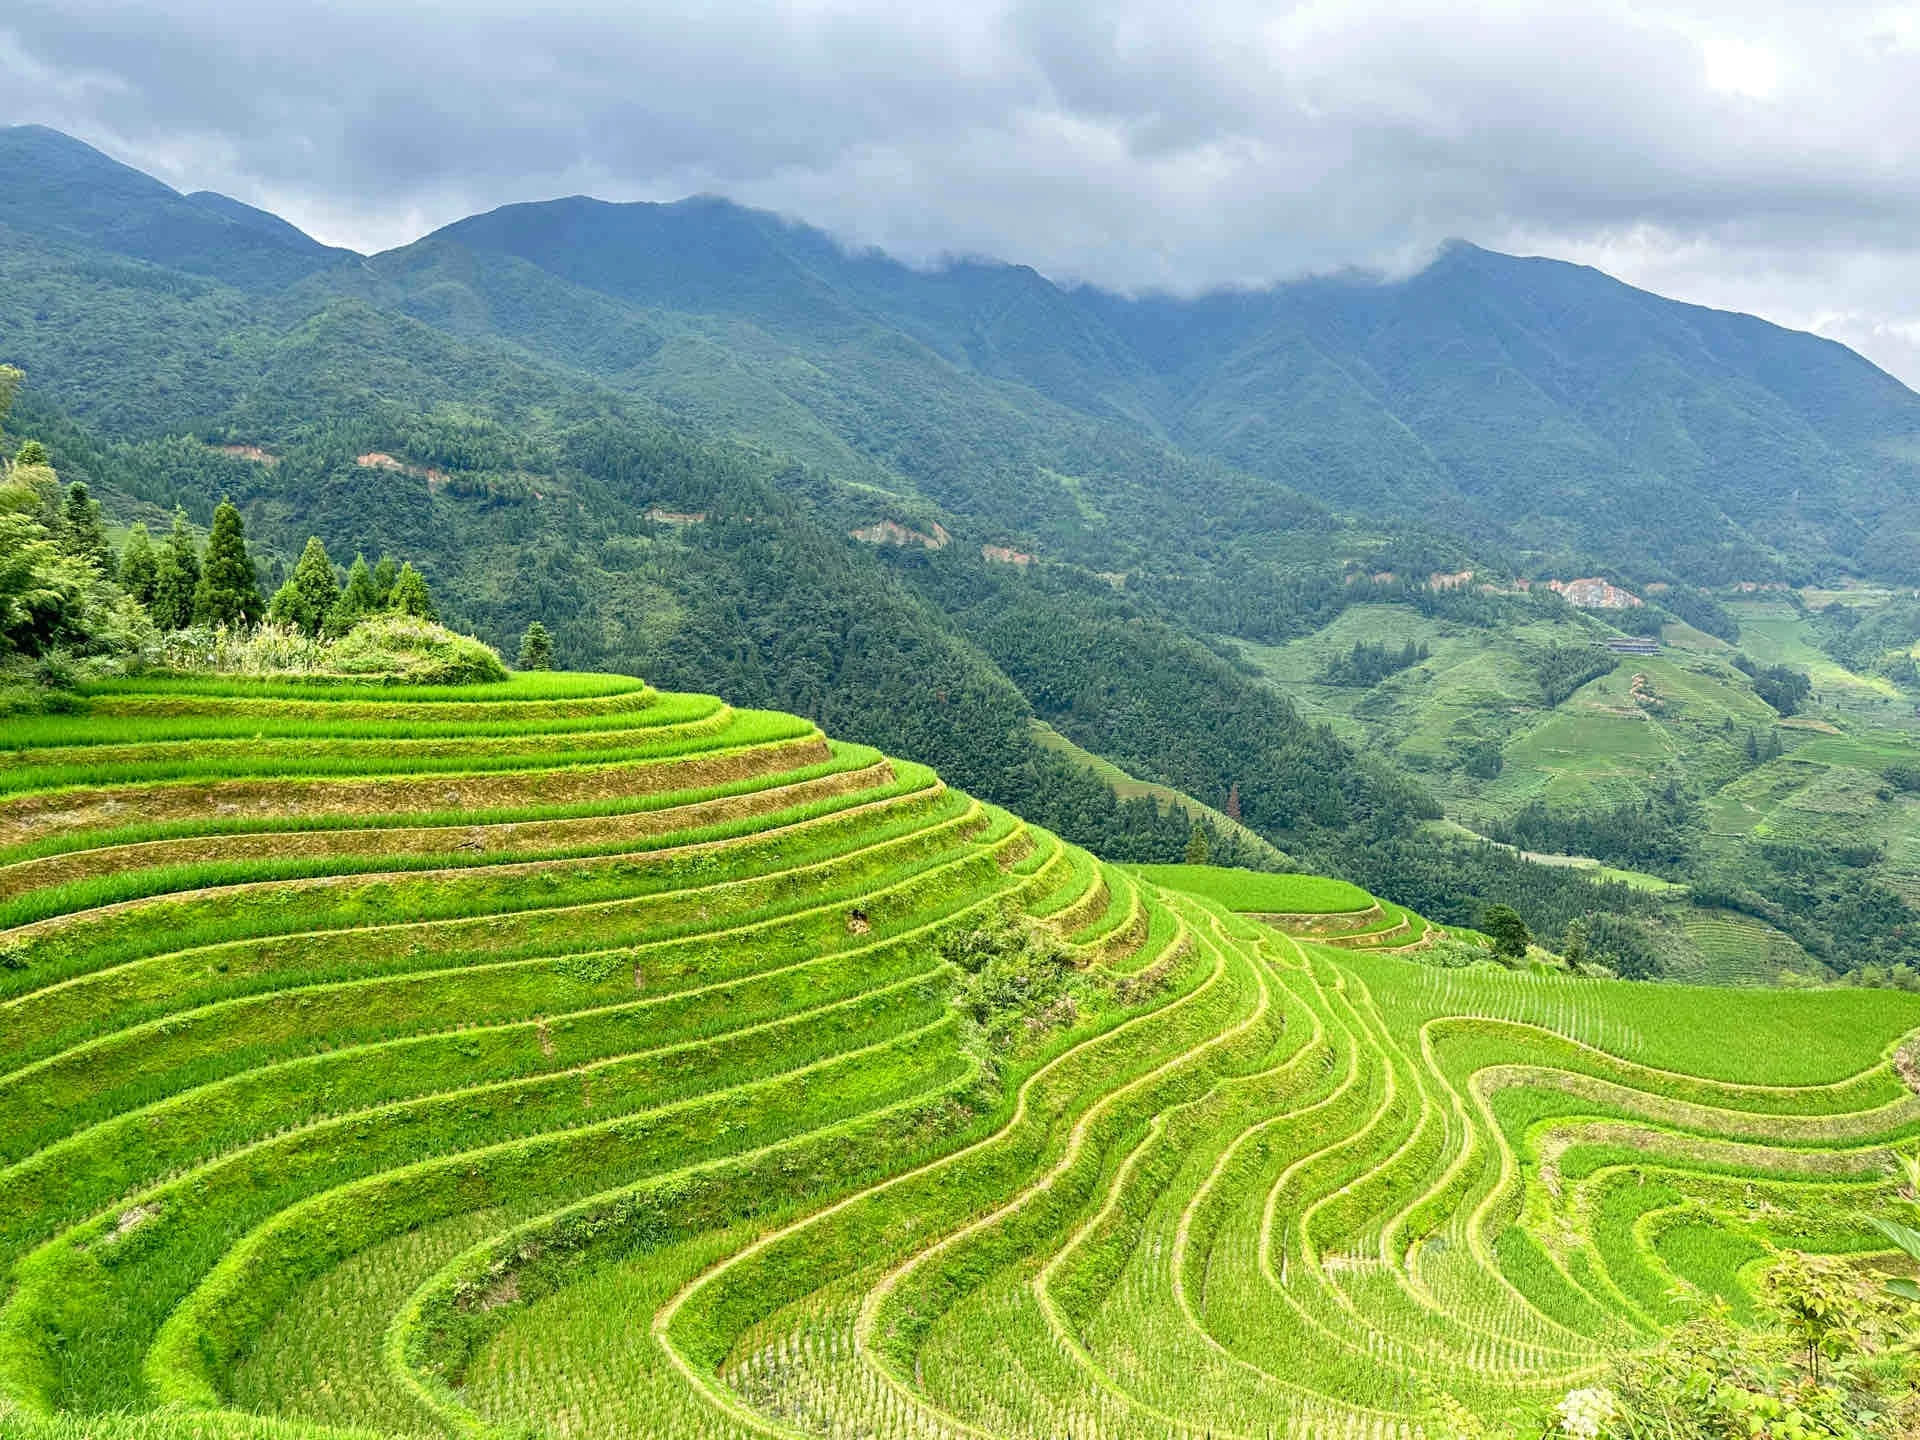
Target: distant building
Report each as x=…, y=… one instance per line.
x=1633, y=645
x=1593, y=593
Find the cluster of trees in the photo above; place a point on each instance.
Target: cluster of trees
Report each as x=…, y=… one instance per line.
x=179, y=585
x=64, y=589
x=1370, y=662
x=1825, y=897
x=56, y=589
x=1874, y=640
x=1658, y=833
x=1781, y=686
x=314, y=601
x=1560, y=670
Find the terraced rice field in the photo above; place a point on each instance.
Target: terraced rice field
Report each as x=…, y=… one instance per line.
x=565, y=1059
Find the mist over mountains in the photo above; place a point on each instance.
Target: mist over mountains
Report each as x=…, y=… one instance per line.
x=1526, y=406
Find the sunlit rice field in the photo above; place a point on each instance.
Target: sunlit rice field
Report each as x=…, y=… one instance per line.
x=562, y=1058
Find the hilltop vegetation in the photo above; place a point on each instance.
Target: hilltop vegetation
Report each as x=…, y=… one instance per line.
x=560, y=1056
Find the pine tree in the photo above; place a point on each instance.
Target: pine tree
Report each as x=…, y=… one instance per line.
x=229, y=590
x=310, y=593
x=358, y=600
x=138, y=565
x=81, y=534
x=410, y=594
x=1573, y=945
x=31, y=452
x=384, y=574
x=536, y=648
x=175, y=578
x=1197, y=848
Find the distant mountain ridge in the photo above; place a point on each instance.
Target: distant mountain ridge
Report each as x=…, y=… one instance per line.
x=1532, y=408
x=66, y=191
x=1530, y=396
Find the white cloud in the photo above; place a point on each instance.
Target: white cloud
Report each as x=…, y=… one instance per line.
x=1761, y=157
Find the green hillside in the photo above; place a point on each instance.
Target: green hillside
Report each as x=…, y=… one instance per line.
x=933, y=511
x=565, y=1057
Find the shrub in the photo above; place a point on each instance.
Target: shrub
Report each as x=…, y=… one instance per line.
x=416, y=651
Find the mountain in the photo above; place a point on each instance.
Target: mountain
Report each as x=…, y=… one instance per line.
x=951, y=511
x=57, y=189
x=1536, y=403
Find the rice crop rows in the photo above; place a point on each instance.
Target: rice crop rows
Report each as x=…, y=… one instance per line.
x=562, y=1058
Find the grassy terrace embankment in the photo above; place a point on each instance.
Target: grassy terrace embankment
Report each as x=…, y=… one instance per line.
x=565, y=1058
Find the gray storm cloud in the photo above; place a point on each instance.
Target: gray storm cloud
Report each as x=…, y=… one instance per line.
x=1761, y=159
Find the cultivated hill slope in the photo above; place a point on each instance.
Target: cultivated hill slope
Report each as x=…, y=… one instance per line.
x=569, y=1058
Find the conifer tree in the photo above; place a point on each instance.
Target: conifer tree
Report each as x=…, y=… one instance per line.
x=1573, y=944
x=310, y=593
x=384, y=574
x=139, y=567
x=358, y=600
x=1197, y=849
x=176, y=577
x=361, y=594
x=31, y=452
x=536, y=648
x=229, y=590
x=81, y=533
x=410, y=594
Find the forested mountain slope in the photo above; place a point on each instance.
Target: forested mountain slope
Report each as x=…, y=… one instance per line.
x=1538, y=409
x=1538, y=402
x=56, y=189
x=926, y=508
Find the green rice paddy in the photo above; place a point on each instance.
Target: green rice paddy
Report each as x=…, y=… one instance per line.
x=562, y=1059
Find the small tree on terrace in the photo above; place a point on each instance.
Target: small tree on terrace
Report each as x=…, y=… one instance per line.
x=229, y=590
x=384, y=574
x=176, y=575
x=358, y=600
x=536, y=648
x=1508, y=931
x=1197, y=848
x=410, y=594
x=310, y=593
x=81, y=533
x=139, y=566
x=1573, y=944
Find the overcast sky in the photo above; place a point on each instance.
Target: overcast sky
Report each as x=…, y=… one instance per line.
x=1759, y=158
